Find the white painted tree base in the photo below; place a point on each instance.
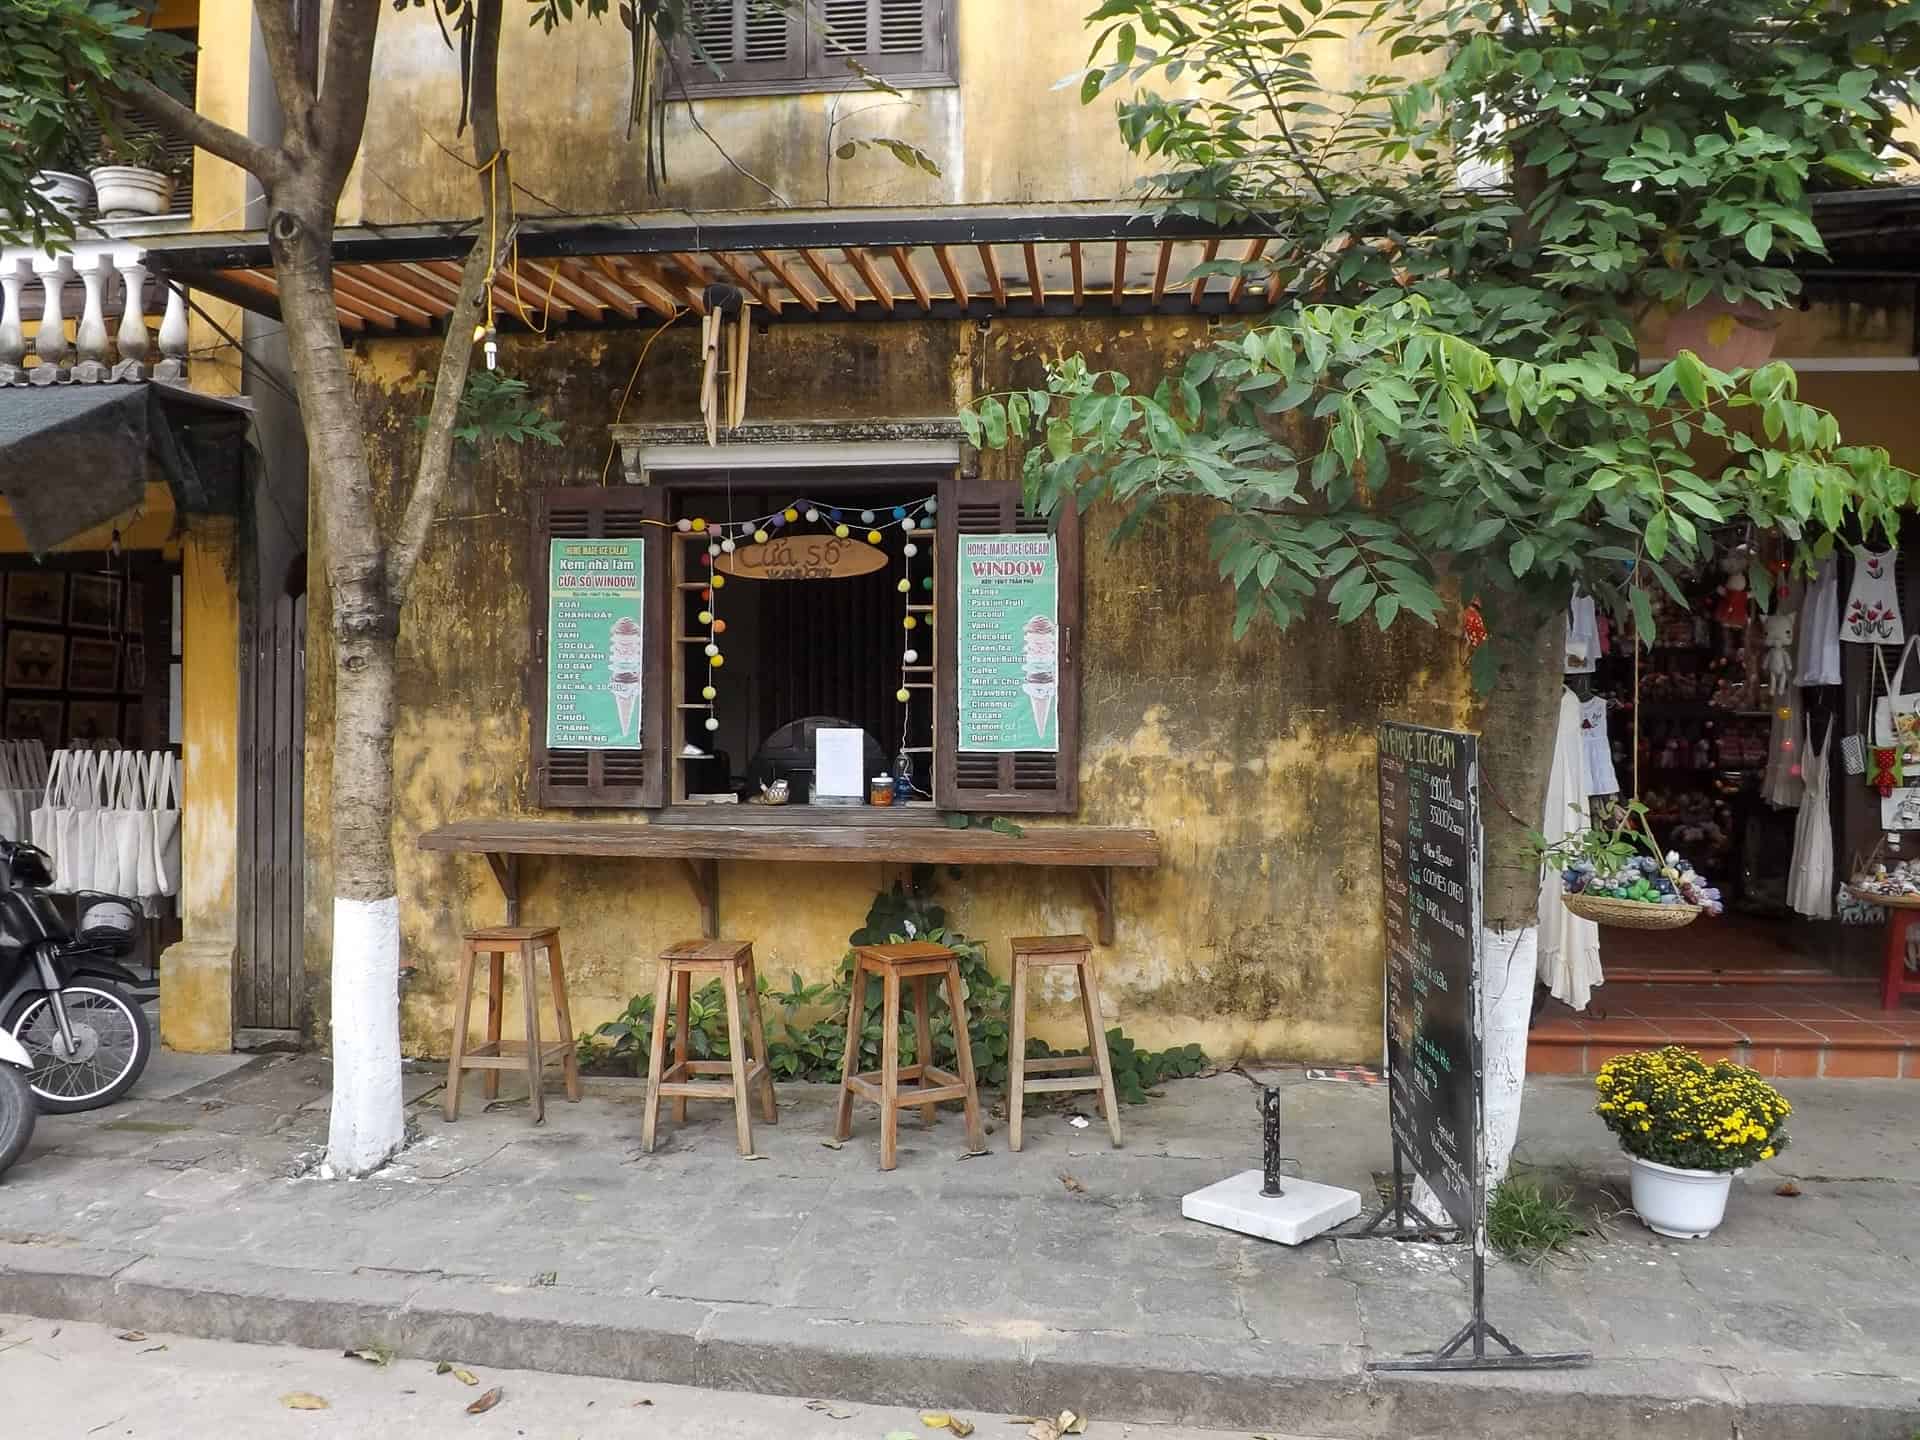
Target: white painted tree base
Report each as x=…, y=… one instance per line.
x=367, y=1124
x=1304, y=1209
x=1509, y=967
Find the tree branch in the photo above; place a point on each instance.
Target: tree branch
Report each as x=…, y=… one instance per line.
x=267, y=165
x=280, y=34
x=490, y=246
x=340, y=112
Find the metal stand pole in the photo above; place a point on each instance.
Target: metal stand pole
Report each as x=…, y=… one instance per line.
x=1398, y=1214
x=1270, y=1142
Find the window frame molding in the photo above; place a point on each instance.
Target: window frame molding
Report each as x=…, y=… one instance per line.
x=692, y=80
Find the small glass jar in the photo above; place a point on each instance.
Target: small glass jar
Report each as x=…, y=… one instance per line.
x=880, y=790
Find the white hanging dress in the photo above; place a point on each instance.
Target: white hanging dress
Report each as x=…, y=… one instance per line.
x=1810, y=878
x=1818, y=629
x=1872, y=616
x=1568, y=959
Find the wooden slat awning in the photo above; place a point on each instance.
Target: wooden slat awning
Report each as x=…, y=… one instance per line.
x=973, y=262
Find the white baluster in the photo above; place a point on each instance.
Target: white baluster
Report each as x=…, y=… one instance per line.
x=50, y=343
x=132, y=337
x=13, y=339
x=91, y=333
x=173, y=337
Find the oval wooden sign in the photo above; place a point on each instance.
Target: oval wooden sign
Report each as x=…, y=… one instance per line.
x=804, y=557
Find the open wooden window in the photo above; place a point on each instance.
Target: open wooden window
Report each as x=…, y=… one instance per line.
x=613, y=777
x=1027, y=780
x=764, y=47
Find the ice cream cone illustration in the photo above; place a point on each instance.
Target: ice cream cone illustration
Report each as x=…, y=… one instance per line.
x=624, y=659
x=1040, y=650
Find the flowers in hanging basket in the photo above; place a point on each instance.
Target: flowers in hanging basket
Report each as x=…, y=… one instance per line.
x=1619, y=861
x=1671, y=1107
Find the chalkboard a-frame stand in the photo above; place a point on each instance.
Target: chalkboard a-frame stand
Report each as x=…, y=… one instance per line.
x=1431, y=865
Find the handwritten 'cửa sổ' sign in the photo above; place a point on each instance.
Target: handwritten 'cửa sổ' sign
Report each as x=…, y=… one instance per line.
x=803, y=557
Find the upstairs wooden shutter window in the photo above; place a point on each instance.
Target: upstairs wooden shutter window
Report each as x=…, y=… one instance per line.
x=772, y=46
x=611, y=778
x=1031, y=781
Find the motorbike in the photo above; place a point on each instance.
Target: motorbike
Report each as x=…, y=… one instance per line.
x=63, y=995
x=17, y=1109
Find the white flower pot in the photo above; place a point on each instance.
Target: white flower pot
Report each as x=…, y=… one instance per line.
x=131, y=190
x=69, y=193
x=1683, y=1204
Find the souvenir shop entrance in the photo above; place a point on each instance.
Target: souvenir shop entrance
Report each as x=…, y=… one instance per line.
x=1761, y=741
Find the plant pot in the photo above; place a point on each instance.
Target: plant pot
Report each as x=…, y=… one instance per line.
x=69, y=193
x=132, y=190
x=1683, y=1204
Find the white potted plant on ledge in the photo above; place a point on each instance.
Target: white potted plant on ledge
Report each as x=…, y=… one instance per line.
x=1688, y=1128
x=66, y=188
x=137, y=178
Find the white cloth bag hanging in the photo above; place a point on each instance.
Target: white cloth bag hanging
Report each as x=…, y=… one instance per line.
x=87, y=862
x=163, y=813
x=1896, y=713
x=126, y=831
x=49, y=817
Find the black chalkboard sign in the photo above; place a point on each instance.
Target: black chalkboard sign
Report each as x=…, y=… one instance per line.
x=1430, y=865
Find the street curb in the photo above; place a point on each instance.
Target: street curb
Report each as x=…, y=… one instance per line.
x=1321, y=1390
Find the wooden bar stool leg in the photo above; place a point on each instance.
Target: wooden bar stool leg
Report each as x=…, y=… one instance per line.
x=923, y=1039
x=496, y=1006
x=1097, y=1045
x=737, y=1056
x=889, y=1069
x=1017, y=1056
x=682, y=1017
x=757, y=1035
x=530, y=1004
x=656, y=1053
x=963, y=1047
x=456, y=1062
x=850, y=1062
x=570, y=1054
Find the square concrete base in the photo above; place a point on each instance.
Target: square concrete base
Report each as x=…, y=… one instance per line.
x=1302, y=1212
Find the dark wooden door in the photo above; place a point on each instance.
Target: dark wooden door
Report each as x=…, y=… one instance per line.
x=269, y=969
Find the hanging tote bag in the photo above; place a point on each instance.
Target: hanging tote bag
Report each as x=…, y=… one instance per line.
x=164, y=815
x=126, y=833
x=149, y=883
x=84, y=829
x=1896, y=713
x=48, y=820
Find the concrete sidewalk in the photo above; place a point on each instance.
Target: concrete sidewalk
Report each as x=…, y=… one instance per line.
x=1060, y=1277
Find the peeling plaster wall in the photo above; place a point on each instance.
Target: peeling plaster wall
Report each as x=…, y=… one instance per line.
x=1252, y=759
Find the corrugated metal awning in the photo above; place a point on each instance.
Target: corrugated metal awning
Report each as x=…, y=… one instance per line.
x=796, y=265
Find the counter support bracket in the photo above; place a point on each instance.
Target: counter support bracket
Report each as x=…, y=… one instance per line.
x=703, y=876
x=1100, y=885
x=506, y=870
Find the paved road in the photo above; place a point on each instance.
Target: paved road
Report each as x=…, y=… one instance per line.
x=88, y=1382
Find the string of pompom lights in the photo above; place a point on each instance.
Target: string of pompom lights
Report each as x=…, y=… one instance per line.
x=910, y=518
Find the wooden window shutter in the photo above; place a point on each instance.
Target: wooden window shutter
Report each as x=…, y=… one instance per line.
x=747, y=41
x=612, y=778
x=1033, y=781
x=887, y=37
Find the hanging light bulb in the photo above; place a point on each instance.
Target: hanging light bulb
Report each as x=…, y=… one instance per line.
x=905, y=586
x=928, y=505
x=698, y=523
x=683, y=526
x=707, y=692
x=899, y=512
x=841, y=531
x=790, y=514
x=909, y=623
x=712, y=649
x=706, y=617
x=910, y=550
x=713, y=722
x=873, y=537
x=812, y=515
x=728, y=546
x=759, y=537
x=909, y=657
x=906, y=523
x=866, y=517
x=903, y=695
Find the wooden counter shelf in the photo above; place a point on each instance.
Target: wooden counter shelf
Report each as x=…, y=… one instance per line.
x=699, y=841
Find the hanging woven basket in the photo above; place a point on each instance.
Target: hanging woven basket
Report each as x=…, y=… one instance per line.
x=1630, y=914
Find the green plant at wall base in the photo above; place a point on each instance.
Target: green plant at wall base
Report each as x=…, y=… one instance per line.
x=808, y=1040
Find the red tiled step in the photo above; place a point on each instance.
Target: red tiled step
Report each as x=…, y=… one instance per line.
x=1780, y=1029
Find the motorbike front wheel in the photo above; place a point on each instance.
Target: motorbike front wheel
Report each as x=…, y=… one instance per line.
x=17, y=1112
x=111, y=1042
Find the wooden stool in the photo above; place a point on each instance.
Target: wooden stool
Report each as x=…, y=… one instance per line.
x=496, y=1055
x=1031, y=952
x=920, y=963
x=732, y=961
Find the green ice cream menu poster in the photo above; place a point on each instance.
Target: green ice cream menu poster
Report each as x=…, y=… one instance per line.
x=595, y=645
x=1009, y=637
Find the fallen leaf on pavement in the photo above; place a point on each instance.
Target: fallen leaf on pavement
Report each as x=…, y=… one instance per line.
x=638, y=1403
x=374, y=1354
x=153, y=1350
x=1065, y=1423
x=941, y=1420
x=135, y=1335
x=1074, y=1187
x=1787, y=1188
x=824, y=1407
x=834, y=1144
x=303, y=1400
x=547, y=1278
x=466, y=1377
x=755, y=1156
x=443, y=1368
x=487, y=1401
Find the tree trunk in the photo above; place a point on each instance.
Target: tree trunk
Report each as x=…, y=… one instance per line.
x=367, y=1125
x=1518, y=720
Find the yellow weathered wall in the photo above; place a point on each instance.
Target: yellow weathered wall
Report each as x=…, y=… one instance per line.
x=220, y=189
x=1003, y=134
x=1253, y=760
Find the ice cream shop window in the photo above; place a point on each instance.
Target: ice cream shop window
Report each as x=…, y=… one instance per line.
x=794, y=639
